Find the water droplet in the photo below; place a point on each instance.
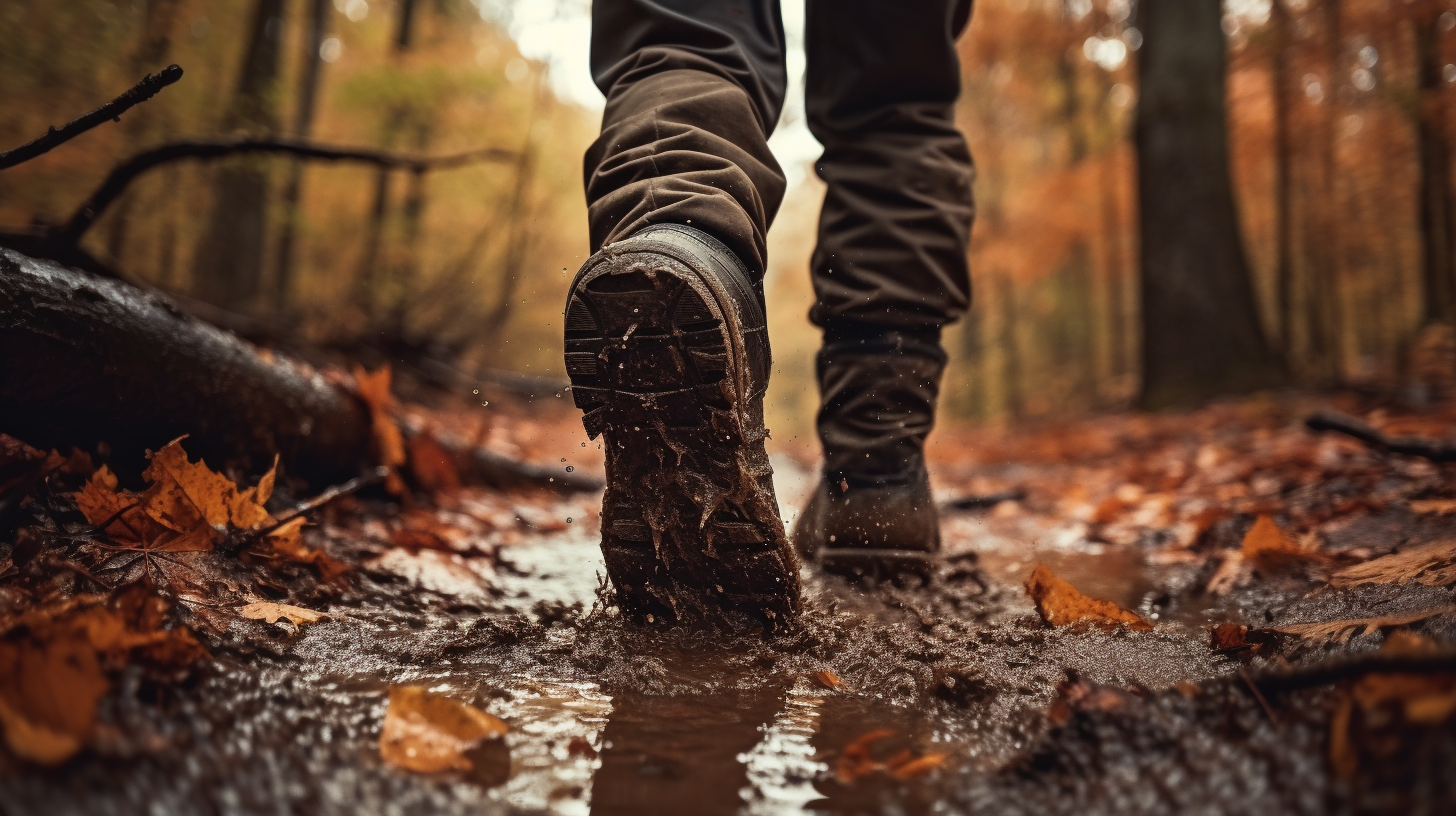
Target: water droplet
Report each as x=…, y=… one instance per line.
x=563, y=458
x=569, y=468
x=568, y=519
x=476, y=391
x=487, y=402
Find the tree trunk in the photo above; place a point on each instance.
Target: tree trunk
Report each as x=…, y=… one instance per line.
x=368, y=278
x=1200, y=326
x=308, y=84
x=1284, y=274
x=228, y=266
x=1439, y=287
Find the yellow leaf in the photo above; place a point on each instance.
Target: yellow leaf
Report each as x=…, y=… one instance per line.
x=429, y=733
x=274, y=612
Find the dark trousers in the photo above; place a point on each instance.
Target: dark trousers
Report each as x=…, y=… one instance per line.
x=695, y=87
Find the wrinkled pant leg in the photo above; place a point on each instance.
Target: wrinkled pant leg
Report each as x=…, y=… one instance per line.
x=694, y=88
x=890, y=268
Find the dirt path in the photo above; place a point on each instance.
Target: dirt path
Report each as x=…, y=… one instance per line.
x=953, y=696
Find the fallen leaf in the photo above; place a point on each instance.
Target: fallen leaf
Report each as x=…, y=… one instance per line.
x=1437, y=507
x=828, y=679
x=186, y=507
x=1431, y=564
x=1381, y=715
x=858, y=761
x=373, y=387
x=429, y=733
x=274, y=612
x=1060, y=604
x=287, y=541
x=1266, y=537
x=49, y=690
x=185, y=495
x=917, y=766
x=52, y=667
x=433, y=468
x=1340, y=631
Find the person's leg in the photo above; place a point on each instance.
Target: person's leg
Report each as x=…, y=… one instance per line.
x=890, y=269
x=694, y=88
x=666, y=339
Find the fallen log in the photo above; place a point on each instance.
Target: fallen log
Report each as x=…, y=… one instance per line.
x=88, y=361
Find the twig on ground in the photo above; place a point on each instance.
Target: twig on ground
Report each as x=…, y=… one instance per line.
x=1258, y=695
x=56, y=136
x=985, y=502
x=332, y=494
x=1334, y=671
x=1434, y=449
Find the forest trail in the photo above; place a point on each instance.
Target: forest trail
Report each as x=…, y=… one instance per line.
x=1227, y=566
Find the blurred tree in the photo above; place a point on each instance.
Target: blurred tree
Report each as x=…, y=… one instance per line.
x=316, y=28
x=228, y=264
x=1434, y=157
x=1200, y=326
x=395, y=117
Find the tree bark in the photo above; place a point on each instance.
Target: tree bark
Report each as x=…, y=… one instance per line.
x=1200, y=326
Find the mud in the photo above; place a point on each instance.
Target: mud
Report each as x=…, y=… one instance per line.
x=608, y=717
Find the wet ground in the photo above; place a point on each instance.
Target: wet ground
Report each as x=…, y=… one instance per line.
x=1013, y=715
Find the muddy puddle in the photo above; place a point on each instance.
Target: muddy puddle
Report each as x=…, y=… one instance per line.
x=606, y=718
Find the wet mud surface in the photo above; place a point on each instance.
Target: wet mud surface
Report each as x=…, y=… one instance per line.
x=608, y=717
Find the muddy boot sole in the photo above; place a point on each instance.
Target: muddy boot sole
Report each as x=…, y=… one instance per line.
x=667, y=350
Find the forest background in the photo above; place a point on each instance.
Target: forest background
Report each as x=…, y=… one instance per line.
x=1338, y=124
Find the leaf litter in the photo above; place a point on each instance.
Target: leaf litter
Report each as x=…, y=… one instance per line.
x=1026, y=706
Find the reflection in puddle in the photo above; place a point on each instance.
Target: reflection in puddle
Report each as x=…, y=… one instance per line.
x=555, y=734
x=781, y=767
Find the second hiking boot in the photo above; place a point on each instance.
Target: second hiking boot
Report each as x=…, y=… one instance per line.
x=872, y=512
x=667, y=350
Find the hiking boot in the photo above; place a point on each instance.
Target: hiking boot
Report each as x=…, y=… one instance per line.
x=667, y=350
x=863, y=529
x=872, y=510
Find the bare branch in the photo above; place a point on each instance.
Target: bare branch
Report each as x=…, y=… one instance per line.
x=117, y=181
x=1436, y=450
x=56, y=136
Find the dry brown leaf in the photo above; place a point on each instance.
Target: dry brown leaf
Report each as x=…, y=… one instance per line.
x=429, y=733
x=1373, y=718
x=287, y=541
x=432, y=466
x=51, y=672
x=1340, y=631
x=828, y=679
x=49, y=689
x=1431, y=564
x=185, y=508
x=1437, y=507
x=857, y=760
x=1060, y=604
x=274, y=612
x=1266, y=537
x=185, y=495
x=373, y=387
